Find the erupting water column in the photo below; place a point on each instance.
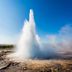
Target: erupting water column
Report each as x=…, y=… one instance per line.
x=27, y=45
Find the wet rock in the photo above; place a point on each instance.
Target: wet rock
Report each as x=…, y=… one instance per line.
x=4, y=64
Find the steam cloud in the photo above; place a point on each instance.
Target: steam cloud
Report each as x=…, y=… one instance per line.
x=30, y=45
x=59, y=44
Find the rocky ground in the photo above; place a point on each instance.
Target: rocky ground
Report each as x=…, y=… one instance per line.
x=33, y=65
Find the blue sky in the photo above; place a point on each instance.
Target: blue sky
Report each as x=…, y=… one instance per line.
x=50, y=16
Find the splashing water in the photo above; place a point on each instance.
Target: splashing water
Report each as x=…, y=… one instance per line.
x=28, y=40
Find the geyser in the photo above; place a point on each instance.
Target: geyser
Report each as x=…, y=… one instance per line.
x=27, y=46
x=28, y=38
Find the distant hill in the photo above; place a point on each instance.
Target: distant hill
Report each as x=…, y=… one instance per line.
x=3, y=46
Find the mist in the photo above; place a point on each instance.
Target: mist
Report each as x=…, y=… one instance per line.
x=31, y=45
